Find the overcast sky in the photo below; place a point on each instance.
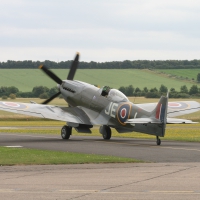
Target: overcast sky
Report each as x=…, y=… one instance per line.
x=101, y=30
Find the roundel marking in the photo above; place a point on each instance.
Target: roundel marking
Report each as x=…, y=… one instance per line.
x=123, y=113
x=177, y=105
x=13, y=105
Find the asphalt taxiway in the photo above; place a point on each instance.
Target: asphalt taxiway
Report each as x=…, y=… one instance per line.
x=172, y=174
x=152, y=181
x=142, y=149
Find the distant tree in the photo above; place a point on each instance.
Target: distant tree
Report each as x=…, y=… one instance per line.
x=163, y=89
x=12, y=96
x=53, y=91
x=193, y=90
x=198, y=77
x=145, y=89
x=129, y=90
x=12, y=90
x=137, y=89
x=44, y=96
x=122, y=89
x=153, y=90
x=38, y=90
x=184, y=89
x=172, y=90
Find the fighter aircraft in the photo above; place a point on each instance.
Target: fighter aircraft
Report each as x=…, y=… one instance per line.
x=89, y=105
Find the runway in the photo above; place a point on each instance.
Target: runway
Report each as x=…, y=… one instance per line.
x=141, y=149
x=150, y=181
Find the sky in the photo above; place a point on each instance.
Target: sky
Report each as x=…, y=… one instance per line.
x=101, y=30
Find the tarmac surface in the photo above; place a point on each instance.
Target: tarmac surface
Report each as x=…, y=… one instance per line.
x=174, y=181
x=141, y=149
x=173, y=173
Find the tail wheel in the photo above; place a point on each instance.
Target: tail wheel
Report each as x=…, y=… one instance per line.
x=158, y=140
x=106, y=133
x=66, y=131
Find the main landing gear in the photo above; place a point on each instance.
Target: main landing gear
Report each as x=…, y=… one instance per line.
x=66, y=131
x=158, y=140
x=105, y=131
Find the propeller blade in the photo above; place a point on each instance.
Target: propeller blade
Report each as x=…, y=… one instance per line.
x=50, y=74
x=51, y=98
x=73, y=68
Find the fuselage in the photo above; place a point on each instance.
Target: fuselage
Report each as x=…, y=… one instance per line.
x=112, y=109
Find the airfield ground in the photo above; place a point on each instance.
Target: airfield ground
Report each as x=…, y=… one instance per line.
x=171, y=174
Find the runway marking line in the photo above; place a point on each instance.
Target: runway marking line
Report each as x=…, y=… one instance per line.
x=14, y=146
x=80, y=191
x=172, y=191
x=99, y=191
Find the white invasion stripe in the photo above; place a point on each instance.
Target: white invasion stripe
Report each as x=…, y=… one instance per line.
x=14, y=146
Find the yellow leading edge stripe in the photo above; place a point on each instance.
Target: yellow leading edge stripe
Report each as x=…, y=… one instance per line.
x=40, y=67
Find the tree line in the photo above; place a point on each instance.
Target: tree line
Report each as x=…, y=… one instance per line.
x=127, y=64
x=184, y=92
x=13, y=92
x=44, y=92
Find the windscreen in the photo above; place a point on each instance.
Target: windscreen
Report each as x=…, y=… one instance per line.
x=116, y=96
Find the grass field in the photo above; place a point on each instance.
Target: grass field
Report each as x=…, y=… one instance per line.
x=190, y=73
x=22, y=156
x=26, y=79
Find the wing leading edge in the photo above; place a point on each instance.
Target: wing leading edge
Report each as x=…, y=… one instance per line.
x=67, y=114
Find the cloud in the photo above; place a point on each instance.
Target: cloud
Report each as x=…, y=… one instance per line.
x=107, y=30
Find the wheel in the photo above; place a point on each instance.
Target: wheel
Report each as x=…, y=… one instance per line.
x=106, y=133
x=158, y=142
x=66, y=131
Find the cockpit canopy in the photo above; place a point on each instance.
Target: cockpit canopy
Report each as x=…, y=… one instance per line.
x=113, y=94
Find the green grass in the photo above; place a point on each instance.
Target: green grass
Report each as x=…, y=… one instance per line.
x=185, y=132
x=190, y=73
x=26, y=79
x=21, y=156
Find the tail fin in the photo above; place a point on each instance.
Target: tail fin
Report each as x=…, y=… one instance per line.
x=160, y=112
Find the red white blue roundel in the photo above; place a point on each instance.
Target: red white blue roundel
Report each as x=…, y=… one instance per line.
x=13, y=105
x=177, y=105
x=123, y=113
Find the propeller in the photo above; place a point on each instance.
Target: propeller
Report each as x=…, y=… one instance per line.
x=51, y=98
x=73, y=68
x=70, y=76
x=50, y=74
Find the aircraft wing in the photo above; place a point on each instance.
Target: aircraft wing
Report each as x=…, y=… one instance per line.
x=175, y=108
x=67, y=114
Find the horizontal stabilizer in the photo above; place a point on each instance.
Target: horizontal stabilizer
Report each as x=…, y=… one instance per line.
x=143, y=121
x=179, y=121
x=155, y=121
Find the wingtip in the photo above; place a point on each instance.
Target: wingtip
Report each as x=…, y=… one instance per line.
x=41, y=66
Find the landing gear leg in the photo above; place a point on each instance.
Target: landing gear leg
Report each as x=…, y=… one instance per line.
x=106, y=132
x=158, y=142
x=66, y=131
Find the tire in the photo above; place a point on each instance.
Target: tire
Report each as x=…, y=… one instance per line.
x=66, y=132
x=106, y=133
x=158, y=142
